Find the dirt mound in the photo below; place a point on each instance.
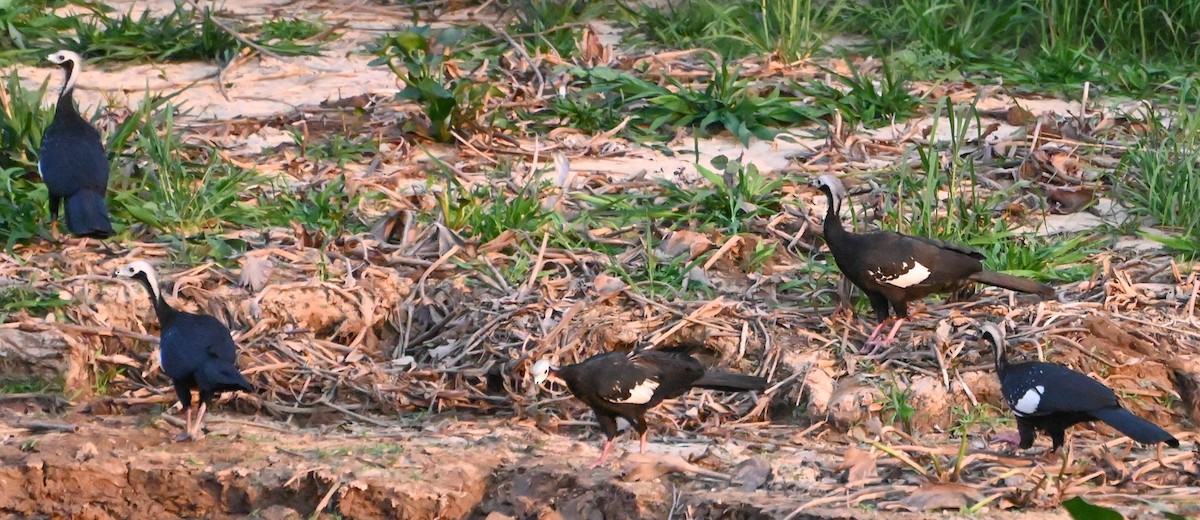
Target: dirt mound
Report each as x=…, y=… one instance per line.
x=453, y=470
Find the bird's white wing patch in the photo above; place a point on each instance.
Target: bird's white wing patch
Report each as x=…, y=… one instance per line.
x=1028, y=403
x=642, y=393
x=913, y=275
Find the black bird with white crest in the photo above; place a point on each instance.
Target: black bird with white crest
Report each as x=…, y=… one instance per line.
x=1051, y=398
x=628, y=384
x=195, y=350
x=72, y=162
x=894, y=269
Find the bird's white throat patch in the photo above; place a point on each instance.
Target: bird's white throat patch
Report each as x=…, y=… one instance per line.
x=1029, y=402
x=642, y=393
x=913, y=273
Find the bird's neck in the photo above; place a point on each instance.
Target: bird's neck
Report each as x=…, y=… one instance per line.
x=66, y=107
x=164, y=312
x=834, y=232
x=566, y=374
x=72, y=70
x=1001, y=360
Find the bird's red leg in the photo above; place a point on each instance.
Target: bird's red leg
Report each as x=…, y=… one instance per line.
x=198, y=433
x=644, y=441
x=872, y=344
x=608, y=444
x=875, y=332
x=892, y=335
x=187, y=430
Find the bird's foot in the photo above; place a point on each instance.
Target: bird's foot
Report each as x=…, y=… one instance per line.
x=875, y=342
x=182, y=437
x=1012, y=439
x=871, y=347
x=603, y=454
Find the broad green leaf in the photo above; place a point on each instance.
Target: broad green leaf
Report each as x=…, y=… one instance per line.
x=1080, y=509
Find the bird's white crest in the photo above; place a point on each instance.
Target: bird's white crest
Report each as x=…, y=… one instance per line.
x=913, y=276
x=641, y=393
x=835, y=185
x=993, y=330
x=541, y=371
x=60, y=57
x=133, y=268
x=998, y=338
x=1029, y=402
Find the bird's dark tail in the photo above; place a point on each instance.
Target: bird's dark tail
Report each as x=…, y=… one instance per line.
x=221, y=377
x=1135, y=427
x=1024, y=285
x=728, y=382
x=87, y=215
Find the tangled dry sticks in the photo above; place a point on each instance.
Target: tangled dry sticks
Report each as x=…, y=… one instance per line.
x=411, y=318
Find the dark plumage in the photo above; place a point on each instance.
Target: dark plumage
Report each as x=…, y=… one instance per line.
x=73, y=164
x=195, y=351
x=627, y=384
x=894, y=269
x=1051, y=398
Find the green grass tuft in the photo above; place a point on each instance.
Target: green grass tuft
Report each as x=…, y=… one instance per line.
x=182, y=189
x=1160, y=177
x=727, y=102
x=416, y=55
x=23, y=118
x=27, y=299
x=860, y=100
x=183, y=34
x=1052, y=43
x=31, y=386
x=941, y=200
x=485, y=211
x=327, y=211
x=789, y=29
x=27, y=25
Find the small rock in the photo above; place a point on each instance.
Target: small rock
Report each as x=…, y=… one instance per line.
x=752, y=473
x=851, y=402
x=279, y=512
x=86, y=452
x=498, y=516
x=1065, y=200
x=683, y=241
